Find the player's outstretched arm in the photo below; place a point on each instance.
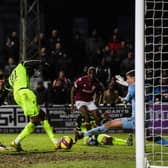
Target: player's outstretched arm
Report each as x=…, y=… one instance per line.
x=120, y=80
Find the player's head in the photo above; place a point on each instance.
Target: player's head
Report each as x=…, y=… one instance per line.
x=130, y=76
x=91, y=72
x=104, y=139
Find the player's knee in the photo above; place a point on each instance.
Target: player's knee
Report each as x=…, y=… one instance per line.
x=35, y=120
x=109, y=124
x=40, y=117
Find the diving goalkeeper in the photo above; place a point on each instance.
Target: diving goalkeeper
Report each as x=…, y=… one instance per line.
x=127, y=122
x=18, y=82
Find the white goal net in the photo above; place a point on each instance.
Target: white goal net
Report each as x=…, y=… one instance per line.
x=156, y=83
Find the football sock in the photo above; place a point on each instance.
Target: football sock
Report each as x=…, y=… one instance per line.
x=29, y=128
x=45, y=124
x=118, y=141
x=95, y=131
x=85, y=140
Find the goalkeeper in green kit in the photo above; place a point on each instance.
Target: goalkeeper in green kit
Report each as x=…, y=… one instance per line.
x=18, y=82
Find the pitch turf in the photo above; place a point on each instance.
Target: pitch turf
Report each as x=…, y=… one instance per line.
x=39, y=153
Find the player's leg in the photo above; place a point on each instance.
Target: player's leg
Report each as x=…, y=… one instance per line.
x=119, y=141
x=27, y=101
x=48, y=129
x=117, y=123
x=94, y=112
x=85, y=114
x=96, y=116
x=103, y=128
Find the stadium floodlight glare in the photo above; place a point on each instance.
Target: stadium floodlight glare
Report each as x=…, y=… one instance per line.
x=151, y=70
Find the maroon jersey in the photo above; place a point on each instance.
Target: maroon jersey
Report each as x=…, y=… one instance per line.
x=85, y=88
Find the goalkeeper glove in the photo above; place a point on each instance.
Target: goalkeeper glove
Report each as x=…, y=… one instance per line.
x=124, y=101
x=120, y=80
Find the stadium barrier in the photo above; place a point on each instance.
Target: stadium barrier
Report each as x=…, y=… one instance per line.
x=12, y=119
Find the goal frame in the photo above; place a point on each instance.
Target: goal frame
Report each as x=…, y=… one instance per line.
x=141, y=160
x=139, y=83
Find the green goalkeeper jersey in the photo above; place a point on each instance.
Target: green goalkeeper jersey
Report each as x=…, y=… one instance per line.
x=18, y=78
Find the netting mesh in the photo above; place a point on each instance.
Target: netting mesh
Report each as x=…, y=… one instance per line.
x=156, y=81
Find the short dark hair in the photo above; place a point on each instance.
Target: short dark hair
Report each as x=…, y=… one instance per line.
x=131, y=73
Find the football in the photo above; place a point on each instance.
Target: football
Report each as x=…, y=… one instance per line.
x=66, y=142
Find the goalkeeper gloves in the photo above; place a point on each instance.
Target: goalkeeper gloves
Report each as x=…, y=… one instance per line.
x=120, y=80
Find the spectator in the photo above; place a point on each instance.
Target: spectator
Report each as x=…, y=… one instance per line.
x=14, y=38
x=107, y=55
x=103, y=72
x=9, y=67
x=127, y=63
x=9, y=49
x=54, y=38
x=78, y=52
x=59, y=89
x=60, y=59
x=111, y=94
x=41, y=93
x=45, y=70
x=42, y=40
x=2, y=80
x=93, y=42
x=56, y=93
x=114, y=44
x=123, y=50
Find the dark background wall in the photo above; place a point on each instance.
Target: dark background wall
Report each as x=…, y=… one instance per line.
x=87, y=14
x=73, y=15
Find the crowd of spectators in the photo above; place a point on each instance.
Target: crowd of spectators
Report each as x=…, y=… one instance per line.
x=110, y=56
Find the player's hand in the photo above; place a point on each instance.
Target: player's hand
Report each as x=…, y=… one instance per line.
x=119, y=77
x=120, y=80
x=124, y=101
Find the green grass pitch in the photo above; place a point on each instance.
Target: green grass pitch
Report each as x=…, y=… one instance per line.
x=39, y=153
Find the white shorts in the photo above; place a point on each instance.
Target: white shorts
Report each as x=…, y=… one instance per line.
x=90, y=105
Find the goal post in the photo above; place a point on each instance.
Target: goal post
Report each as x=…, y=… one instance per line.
x=151, y=70
x=139, y=82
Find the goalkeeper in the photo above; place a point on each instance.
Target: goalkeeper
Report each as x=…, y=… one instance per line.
x=18, y=82
x=155, y=138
